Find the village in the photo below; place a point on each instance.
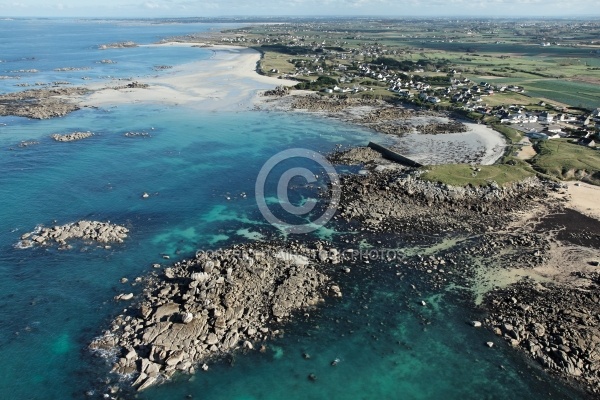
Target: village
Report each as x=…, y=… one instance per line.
x=345, y=62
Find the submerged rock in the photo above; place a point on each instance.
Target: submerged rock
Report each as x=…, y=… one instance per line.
x=71, y=137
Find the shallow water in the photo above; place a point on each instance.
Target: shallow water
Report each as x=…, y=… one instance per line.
x=197, y=167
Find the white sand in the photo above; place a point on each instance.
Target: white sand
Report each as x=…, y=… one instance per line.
x=584, y=198
x=228, y=81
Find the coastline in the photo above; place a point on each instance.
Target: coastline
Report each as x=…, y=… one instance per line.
x=227, y=81
x=419, y=134
x=236, y=67
x=234, y=86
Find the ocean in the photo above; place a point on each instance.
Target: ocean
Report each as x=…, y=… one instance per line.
x=199, y=169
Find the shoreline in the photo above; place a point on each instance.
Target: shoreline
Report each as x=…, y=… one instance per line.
x=226, y=81
x=419, y=134
x=236, y=70
x=466, y=228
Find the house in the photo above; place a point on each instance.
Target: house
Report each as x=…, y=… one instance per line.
x=546, y=117
x=587, y=142
x=566, y=118
x=554, y=129
x=457, y=97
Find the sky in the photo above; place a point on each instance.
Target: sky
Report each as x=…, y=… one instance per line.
x=215, y=8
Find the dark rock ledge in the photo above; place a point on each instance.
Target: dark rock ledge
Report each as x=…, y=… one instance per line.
x=40, y=103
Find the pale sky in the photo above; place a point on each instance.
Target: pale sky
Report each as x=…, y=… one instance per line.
x=209, y=8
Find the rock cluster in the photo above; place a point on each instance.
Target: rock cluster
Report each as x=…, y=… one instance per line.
x=212, y=305
x=278, y=91
x=65, y=69
x=137, y=134
x=133, y=85
x=557, y=326
x=355, y=156
x=71, y=137
x=396, y=200
x=102, y=232
x=382, y=116
x=315, y=103
x=27, y=143
x=388, y=112
x=39, y=103
x=120, y=45
x=441, y=127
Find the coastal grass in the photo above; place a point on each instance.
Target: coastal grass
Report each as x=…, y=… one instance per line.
x=507, y=98
x=464, y=174
x=272, y=60
x=512, y=135
x=566, y=160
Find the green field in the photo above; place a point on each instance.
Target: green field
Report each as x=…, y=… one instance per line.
x=463, y=174
x=578, y=94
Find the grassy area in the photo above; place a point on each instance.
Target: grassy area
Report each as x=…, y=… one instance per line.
x=567, y=161
x=273, y=60
x=511, y=134
x=463, y=174
x=507, y=98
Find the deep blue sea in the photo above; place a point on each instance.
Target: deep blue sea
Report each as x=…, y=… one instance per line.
x=200, y=170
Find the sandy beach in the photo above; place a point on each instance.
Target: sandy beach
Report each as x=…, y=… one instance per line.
x=584, y=198
x=479, y=144
x=227, y=81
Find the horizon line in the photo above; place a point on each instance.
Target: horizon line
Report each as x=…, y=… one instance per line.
x=308, y=16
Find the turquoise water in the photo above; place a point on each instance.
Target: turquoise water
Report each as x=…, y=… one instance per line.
x=197, y=167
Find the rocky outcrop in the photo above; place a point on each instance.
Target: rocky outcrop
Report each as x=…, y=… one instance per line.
x=395, y=199
x=71, y=137
x=354, y=156
x=133, y=85
x=119, y=45
x=557, y=326
x=279, y=91
x=316, y=103
x=39, y=103
x=381, y=116
x=211, y=305
x=95, y=231
x=437, y=128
